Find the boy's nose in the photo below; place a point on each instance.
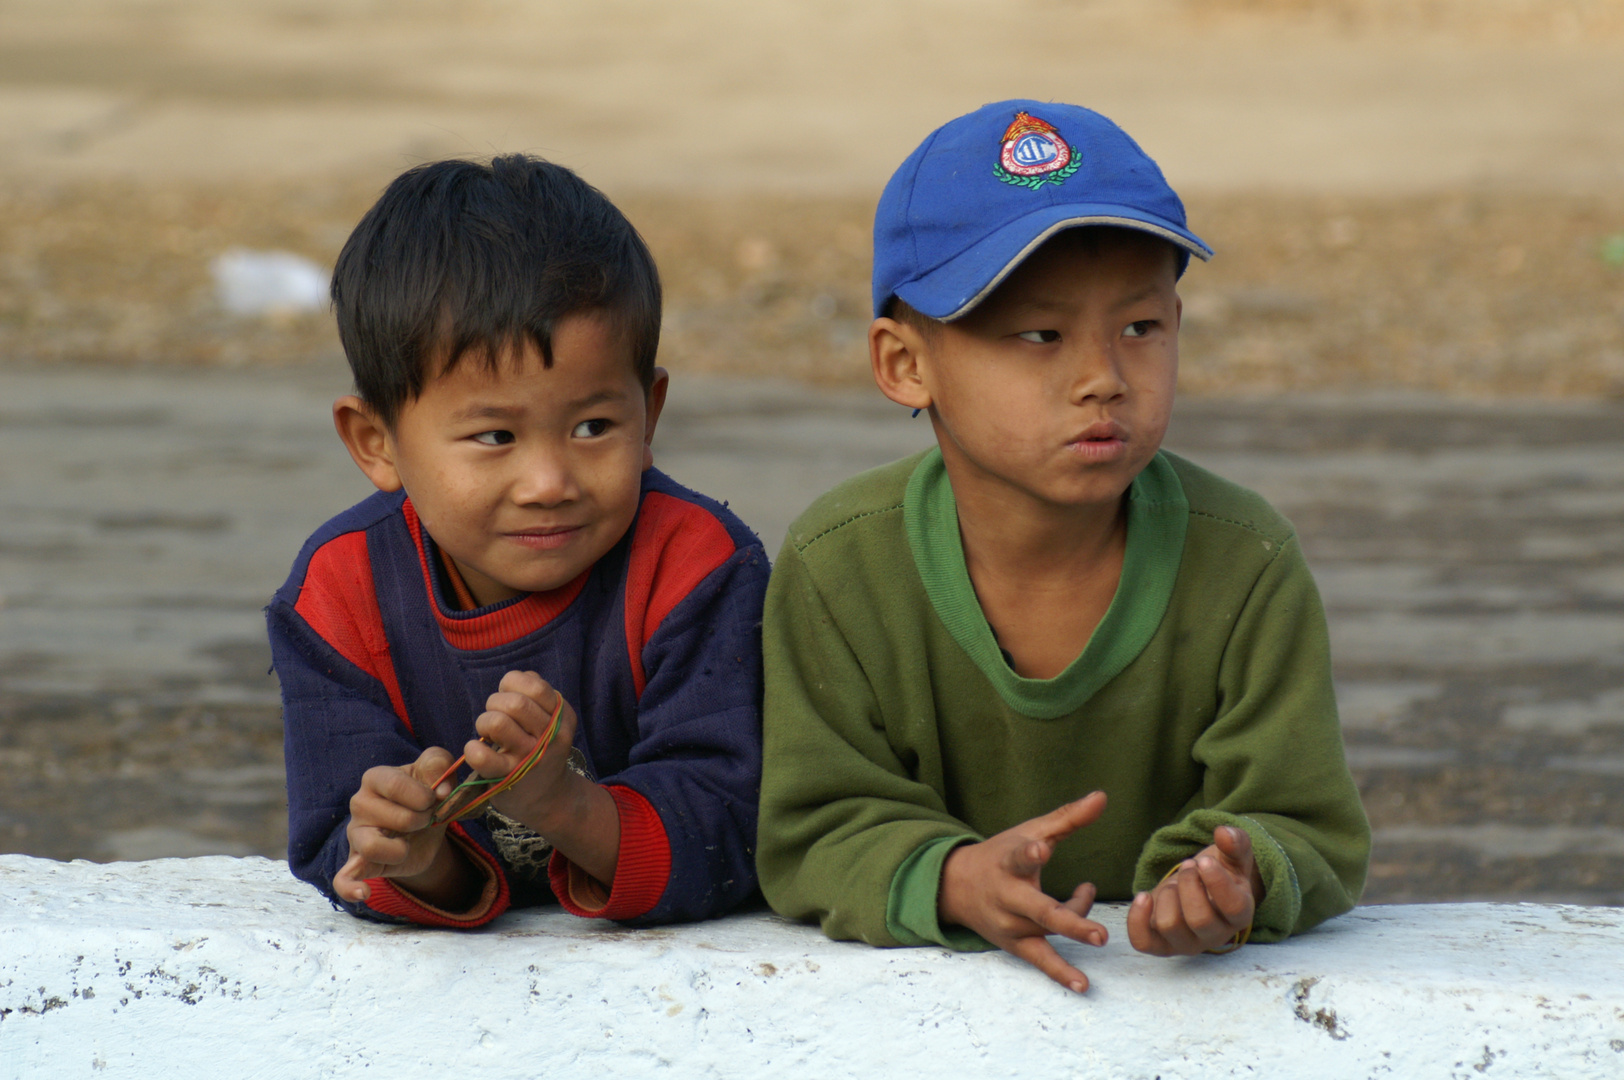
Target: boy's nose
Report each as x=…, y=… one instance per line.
x=544, y=479
x=1097, y=372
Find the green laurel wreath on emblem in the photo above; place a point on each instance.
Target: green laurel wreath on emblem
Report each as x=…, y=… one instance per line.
x=1035, y=182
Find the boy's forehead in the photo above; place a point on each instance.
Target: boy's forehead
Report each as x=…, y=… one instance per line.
x=508, y=353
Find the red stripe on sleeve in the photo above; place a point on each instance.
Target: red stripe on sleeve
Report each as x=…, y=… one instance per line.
x=339, y=602
x=676, y=546
x=390, y=899
x=642, y=867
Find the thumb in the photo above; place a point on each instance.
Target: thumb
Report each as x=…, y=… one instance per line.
x=350, y=881
x=1234, y=844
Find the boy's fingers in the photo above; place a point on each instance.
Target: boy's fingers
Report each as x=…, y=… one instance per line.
x=1206, y=923
x=1167, y=919
x=531, y=685
x=528, y=697
x=1230, y=893
x=1061, y=822
x=525, y=714
x=350, y=882
x=1056, y=918
x=373, y=809
x=504, y=731
x=1041, y=955
x=398, y=786
x=1026, y=858
x=1142, y=935
x=379, y=848
x=430, y=765
x=1082, y=898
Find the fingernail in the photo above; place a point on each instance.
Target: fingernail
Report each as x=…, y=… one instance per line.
x=1078, y=987
x=1205, y=862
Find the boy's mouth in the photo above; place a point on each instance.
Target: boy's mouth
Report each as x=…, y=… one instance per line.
x=546, y=537
x=1102, y=441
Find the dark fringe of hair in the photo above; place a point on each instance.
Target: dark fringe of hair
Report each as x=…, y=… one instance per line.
x=463, y=257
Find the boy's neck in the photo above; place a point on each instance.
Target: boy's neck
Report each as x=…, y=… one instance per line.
x=1044, y=575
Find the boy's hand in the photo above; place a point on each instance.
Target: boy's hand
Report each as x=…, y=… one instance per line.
x=1203, y=904
x=577, y=816
x=389, y=831
x=514, y=718
x=993, y=888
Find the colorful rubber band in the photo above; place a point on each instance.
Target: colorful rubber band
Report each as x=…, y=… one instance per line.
x=466, y=798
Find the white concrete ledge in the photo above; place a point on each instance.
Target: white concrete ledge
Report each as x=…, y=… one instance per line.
x=225, y=968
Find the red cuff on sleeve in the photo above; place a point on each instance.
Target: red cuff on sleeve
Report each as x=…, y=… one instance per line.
x=641, y=870
x=389, y=898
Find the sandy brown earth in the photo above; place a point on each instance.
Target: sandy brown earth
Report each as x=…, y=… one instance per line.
x=1419, y=194
x=1475, y=293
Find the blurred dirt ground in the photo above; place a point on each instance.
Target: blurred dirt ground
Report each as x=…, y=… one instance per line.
x=1471, y=293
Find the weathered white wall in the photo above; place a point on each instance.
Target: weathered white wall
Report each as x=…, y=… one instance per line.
x=226, y=968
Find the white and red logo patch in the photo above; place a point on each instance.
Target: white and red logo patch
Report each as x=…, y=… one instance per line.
x=1034, y=154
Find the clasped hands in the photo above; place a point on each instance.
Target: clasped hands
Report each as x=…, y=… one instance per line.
x=993, y=888
x=391, y=833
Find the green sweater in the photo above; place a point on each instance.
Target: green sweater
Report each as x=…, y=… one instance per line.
x=895, y=729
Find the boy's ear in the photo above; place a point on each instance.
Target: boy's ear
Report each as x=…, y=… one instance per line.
x=651, y=414
x=896, y=351
x=368, y=440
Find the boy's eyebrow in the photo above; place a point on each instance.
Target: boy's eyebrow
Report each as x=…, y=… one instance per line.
x=479, y=411
x=486, y=412
x=1146, y=293
x=597, y=399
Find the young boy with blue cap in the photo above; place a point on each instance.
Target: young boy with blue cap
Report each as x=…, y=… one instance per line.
x=1046, y=609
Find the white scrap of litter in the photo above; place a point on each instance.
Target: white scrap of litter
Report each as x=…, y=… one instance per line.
x=268, y=283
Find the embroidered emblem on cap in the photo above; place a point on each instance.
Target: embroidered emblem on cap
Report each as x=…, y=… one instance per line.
x=1034, y=154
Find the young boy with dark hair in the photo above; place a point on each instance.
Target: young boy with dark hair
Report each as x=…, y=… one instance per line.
x=1046, y=604
x=522, y=569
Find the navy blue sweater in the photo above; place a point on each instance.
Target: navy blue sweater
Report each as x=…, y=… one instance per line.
x=657, y=646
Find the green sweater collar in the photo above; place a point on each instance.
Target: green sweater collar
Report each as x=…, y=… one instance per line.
x=1157, y=516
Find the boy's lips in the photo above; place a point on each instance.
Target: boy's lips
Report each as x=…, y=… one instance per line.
x=1106, y=440
x=546, y=537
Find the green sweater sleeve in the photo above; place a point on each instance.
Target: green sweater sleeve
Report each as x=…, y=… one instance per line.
x=840, y=812
x=1273, y=762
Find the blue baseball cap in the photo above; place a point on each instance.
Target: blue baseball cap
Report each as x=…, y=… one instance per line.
x=986, y=190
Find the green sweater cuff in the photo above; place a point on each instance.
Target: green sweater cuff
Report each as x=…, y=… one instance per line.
x=910, y=908
x=1276, y=917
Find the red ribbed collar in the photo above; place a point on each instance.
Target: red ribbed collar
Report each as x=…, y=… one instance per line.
x=499, y=624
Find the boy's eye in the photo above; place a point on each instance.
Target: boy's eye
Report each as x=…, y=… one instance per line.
x=1140, y=328
x=1040, y=337
x=494, y=438
x=587, y=429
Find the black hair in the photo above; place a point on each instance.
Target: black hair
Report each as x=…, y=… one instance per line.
x=463, y=256
x=903, y=312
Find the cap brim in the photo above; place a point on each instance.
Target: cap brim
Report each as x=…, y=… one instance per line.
x=955, y=287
